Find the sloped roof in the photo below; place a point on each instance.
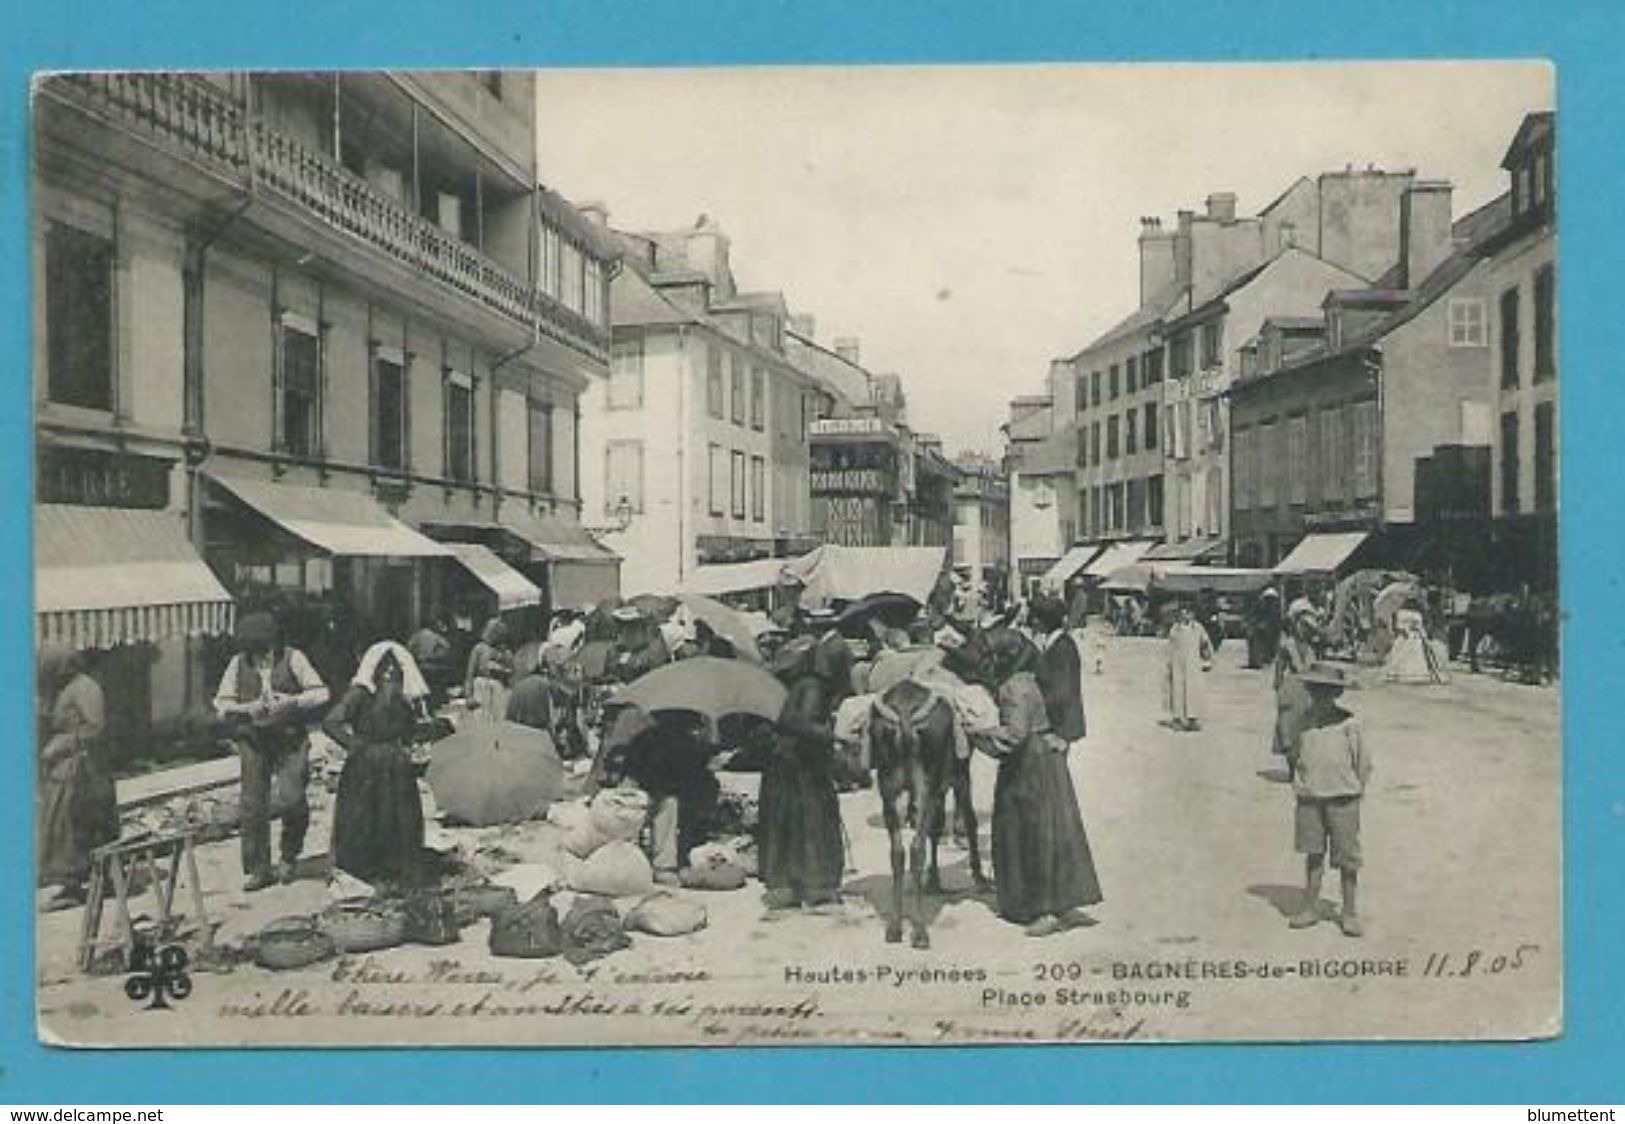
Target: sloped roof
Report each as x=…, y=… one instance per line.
x=634, y=303
x=1533, y=127
x=839, y=376
x=1155, y=309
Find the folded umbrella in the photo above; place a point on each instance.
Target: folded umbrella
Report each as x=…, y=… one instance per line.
x=495, y=772
x=708, y=686
x=730, y=624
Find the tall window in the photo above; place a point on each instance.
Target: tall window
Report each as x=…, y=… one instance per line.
x=1094, y=443
x=1153, y=500
x=1331, y=454
x=1297, y=459
x=1510, y=339
x=552, y=248
x=389, y=412
x=1149, y=427
x=79, y=317
x=1131, y=444
x=1113, y=425
x=736, y=388
x=1269, y=461
x=758, y=486
x=758, y=399
x=1080, y=394
x=594, y=304
x=539, y=420
x=301, y=356
x=1510, y=464
x=1211, y=336
x=626, y=375
x=1467, y=328
x=1241, y=492
x=1131, y=374
x=1094, y=388
x=1363, y=438
x=1545, y=457
x=716, y=478
x=1153, y=366
x=714, y=392
x=572, y=286
x=1179, y=355
x=623, y=475
x=736, y=490
x=459, y=426
x=1116, y=386
x=1545, y=323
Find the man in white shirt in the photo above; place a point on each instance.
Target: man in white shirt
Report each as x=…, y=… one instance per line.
x=269, y=691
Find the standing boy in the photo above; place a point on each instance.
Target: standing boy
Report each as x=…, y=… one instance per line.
x=1330, y=770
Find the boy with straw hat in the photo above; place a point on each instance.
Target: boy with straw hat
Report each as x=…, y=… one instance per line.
x=1330, y=770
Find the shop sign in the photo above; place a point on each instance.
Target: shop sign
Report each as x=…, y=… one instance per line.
x=849, y=480
x=99, y=478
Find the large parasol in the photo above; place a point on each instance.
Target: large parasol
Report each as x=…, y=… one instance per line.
x=730, y=624
x=708, y=686
x=894, y=610
x=495, y=772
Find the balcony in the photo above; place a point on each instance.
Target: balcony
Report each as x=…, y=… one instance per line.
x=197, y=120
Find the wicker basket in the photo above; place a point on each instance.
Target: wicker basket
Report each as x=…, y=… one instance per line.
x=483, y=900
x=292, y=942
x=363, y=924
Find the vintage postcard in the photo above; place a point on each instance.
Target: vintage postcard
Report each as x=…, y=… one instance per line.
x=869, y=555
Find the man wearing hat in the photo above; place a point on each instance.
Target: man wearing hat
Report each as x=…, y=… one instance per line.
x=639, y=647
x=1331, y=767
x=268, y=691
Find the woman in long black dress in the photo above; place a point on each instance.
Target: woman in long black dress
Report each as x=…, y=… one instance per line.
x=799, y=842
x=378, y=815
x=1042, y=865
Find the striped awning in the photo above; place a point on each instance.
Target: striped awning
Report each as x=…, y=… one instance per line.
x=105, y=576
x=513, y=589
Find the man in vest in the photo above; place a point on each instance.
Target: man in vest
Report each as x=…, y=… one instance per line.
x=269, y=691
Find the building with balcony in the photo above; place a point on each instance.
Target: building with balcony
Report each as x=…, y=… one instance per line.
x=696, y=448
x=327, y=329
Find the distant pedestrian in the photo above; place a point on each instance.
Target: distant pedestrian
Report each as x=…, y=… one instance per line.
x=1330, y=772
x=490, y=670
x=1190, y=655
x=1295, y=654
x=78, y=810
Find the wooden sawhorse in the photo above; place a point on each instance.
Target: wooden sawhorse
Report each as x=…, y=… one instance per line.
x=116, y=864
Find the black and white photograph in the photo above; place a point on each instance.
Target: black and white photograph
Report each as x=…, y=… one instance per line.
x=797, y=556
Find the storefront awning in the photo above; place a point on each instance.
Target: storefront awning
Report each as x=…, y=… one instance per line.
x=1115, y=557
x=345, y=524
x=105, y=576
x=556, y=538
x=1174, y=577
x=1188, y=551
x=733, y=577
x=1321, y=554
x=513, y=589
x=1056, y=577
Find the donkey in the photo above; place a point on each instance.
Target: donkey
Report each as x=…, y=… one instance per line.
x=912, y=736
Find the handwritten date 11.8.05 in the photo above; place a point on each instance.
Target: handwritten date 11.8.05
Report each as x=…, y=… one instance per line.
x=1478, y=962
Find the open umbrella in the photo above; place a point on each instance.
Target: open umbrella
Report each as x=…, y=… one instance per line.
x=730, y=624
x=894, y=610
x=655, y=606
x=708, y=686
x=495, y=772
x=1392, y=599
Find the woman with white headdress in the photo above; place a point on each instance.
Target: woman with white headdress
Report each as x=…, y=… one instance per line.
x=378, y=814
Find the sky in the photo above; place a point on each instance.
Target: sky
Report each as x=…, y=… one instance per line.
x=969, y=224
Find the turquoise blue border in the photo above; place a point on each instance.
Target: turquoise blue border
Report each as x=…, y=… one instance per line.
x=1583, y=38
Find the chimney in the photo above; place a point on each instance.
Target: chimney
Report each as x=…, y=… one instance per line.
x=596, y=211
x=847, y=348
x=802, y=324
x=1221, y=206
x=1156, y=259
x=1425, y=239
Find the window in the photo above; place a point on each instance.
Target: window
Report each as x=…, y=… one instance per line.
x=623, y=476
x=758, y=485
x=459, y=427
x=1509, y=463
x=301, y=358
x=1080, y=394
x=1116, y=388
x=1136, y=504
x=552, y=248
x=539, y=421
x=1094, y=388
x=1297, y=458
x=1131, y=374
x=758, y=399
x=1113, y=424
x=714, y=392
x=626, y=375
x=1268, y=461
x=594, y=304
x=1094, y=443
x=736, y=388
x=736, y=484
x=571, y=286
x=1153, y=366
x=1363, y=425
x=1241, y=493
x=1510, y=341
x=389, y=397
x=79, y=318
x=716, y=478
x=1467, y=322
x=1545, y=324
x=1149, y=426
x=1170, y=432
x=1131, y=444
x=1179, y=355
x=1211, y=356
x=1153, y=501
x=1330, y=448
x=1545, y=457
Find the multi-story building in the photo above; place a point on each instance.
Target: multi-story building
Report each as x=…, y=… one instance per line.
x=296, y=320
x=1353, y=432
x=696, y=446
x=982, y=525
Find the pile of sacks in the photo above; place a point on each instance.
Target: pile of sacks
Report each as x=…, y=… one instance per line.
x=600, y=843
x=583, y=927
